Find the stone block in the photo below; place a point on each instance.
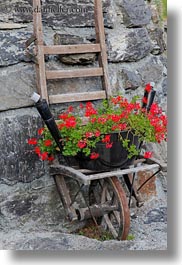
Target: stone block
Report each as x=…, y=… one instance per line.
x=130, y=79
x=57, y=13
x=135, y=13
x=159, y=46
x=151, y=70
x=17, y=85
x=23, y=206
x=128, y=45
x=18, y=163
x=12, y=47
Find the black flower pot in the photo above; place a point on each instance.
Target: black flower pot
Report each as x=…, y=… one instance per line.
x=114, y=157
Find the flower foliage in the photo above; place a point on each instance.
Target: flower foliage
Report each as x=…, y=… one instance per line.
x=114, y=115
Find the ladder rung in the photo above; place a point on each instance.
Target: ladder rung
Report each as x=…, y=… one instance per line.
x=72, y=97
x=72, y=49
x=60, y=74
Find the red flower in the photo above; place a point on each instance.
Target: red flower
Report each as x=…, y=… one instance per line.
x=109, y=145
x=70, y=122
x=122, y=126
x=47, y=143
x=70, y=109
x=97, y=133
x=89, y=135
x=148, y=88
x=63, y=116
x=102, y=120
x=44, y=156
x=82, y=144
x=90, y=110
x=148, y=154
x=94, y=156
x=115, y=118
x=37, y=150
x=144, y=100
x=40, y=131
x=50, y=158
x=116, y=100
x=32, y=141
x=106, y=139
x=93, y=120
x=81, y=106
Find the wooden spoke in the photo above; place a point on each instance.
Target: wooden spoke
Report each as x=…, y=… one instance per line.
x=109, y=191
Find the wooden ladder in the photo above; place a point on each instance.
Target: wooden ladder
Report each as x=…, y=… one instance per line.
x=99, y=47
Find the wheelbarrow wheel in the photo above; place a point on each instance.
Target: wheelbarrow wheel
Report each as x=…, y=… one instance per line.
x=110, y=191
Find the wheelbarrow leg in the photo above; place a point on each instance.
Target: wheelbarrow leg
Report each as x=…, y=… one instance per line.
x=65, y=197
x=128, y=178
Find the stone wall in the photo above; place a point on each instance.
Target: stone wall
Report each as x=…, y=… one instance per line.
x=136, y=41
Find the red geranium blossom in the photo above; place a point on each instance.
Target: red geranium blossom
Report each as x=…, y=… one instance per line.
x=50, y=158
x=32, y=141
x=40, y=131
x=43, y=156
x=47, y=143
x=94, y=156
x=109, y=145
x=148, y=155
x=82, y=144
x=148, y=88
x=106, y=139
x=144, y=100
x=37, y=150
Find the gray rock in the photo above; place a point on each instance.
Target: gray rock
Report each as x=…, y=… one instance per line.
x=58, y=13
x=130, y=79
x=135, y=13
x=17, y=85
x=12, y=47
x=151, y=70
x=83, y=59
x=18, y=163
x=23, y=207
x=157, y=39
x=129, y=46
x=164, y=87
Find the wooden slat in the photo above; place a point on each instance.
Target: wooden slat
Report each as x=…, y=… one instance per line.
x=72, y=49
x=75, y=174
x=61, y=74
x=100, y=38
x=65, y=197
x=122, y=172
x=72, y=97
x=40, y=67
x=68, y=171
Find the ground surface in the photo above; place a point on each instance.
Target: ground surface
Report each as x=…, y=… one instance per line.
x=148, y=226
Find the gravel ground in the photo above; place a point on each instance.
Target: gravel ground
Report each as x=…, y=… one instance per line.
x=148, y=226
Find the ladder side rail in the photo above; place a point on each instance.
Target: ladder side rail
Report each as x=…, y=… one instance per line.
x=39, y=42
x=100, y=38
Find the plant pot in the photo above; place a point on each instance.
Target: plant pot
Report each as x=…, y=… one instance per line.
x=114, y=157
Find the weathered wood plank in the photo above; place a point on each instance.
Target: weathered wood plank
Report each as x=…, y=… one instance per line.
x=58, y=169
x=72, y=49
x=65, y=197
x=122, y=172
x=100, y=38
x=68, y=171
x=61, y=74
x=40, y=66
x=72, y=97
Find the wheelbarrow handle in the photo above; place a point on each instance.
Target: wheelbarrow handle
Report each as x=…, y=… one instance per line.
x=46, y=115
